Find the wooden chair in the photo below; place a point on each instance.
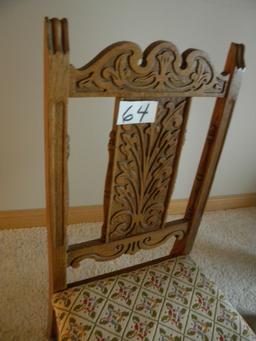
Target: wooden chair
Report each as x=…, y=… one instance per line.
x=170, y=297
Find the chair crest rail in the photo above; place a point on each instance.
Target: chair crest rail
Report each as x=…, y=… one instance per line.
x=122, y=69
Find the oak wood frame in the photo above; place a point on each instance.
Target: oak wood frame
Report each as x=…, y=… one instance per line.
x=162, y=74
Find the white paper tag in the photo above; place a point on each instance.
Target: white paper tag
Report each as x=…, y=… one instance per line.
x=133, y=112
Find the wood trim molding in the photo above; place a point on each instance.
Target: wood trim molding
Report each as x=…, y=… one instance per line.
x=217, y=203
x=88, y=214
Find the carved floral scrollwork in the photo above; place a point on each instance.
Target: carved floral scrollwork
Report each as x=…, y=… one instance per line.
x=123, y=68
x=112, y=250
x=144, y=161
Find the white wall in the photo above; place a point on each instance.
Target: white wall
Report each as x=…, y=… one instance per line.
x=206, y=24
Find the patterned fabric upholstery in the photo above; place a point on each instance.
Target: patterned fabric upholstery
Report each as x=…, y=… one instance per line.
x=169, y=301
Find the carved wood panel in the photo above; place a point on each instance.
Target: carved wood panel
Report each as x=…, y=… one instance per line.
x=143, y=159
x=124, y=70
x=100, y=251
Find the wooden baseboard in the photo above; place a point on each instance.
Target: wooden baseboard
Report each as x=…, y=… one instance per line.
x=88, y=214
x=217, y=203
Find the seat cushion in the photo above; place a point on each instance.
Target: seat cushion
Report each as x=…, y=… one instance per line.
x=171, y=300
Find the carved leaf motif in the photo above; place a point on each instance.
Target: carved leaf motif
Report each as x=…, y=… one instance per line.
x=144, y=156
x=123, y=68
x=119, y=73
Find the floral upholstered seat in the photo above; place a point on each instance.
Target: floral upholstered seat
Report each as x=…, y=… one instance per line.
x=171, y=300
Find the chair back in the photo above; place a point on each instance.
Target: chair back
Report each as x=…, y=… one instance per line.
x=153, y=91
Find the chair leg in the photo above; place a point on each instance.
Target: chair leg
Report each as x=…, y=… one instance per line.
x=52, y=326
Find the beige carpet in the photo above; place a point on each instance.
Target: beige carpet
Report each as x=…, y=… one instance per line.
x=225, y=250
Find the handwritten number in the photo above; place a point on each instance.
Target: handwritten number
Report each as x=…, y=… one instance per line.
x=135, y=112
x=143, y=112
x=127, y=117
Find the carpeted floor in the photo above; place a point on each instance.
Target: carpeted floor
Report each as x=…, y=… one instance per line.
x=225, y=250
